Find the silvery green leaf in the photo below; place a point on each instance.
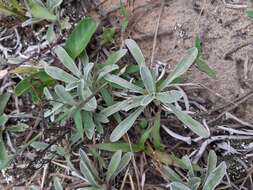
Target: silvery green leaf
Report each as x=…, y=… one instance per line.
x=50, y=35
x=73, y=85
x=47, y=94
x=106, y=70
x=60, y=74
x=113, y=165
x=135, y=51
x=181, y=67
x=125, y=125
x=85, y=92
x=211, y=162
x=114, y=108
x=84, y=58
x=87, y=70
x=170, y=174
x=101, y=117
x=90, y=165
x=57, y=106
x=123, y=83
x=194, y=183
x=57, y=184
x=3, y=119
x=187, y=162
x=115, y=57
x=215, y=177
x=79, y=123
x=134, y=102
x=52, y=4
x=147, y=79
x=39, y=145
x=178, y=186
x=192, y=124
x=85, y=170
x=67, y=61
x=88, y=124
x=169, y=96
x=4, y=98
x=40, y=12
x=123, y=163
x=64, y=95
x=147, y=100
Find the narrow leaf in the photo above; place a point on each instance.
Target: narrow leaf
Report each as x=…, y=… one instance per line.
x=59, y=74
x=115, y=57
x=147, y=79
x=4, y=98
x=125, y=125
x=123, y=83
x=181, y=67
x=64, y=95
x=113, y=165
x=194, y=125
x=169, y=96
x=79, y=123
x=40, y=12
x=178, y=186
x=123, y=163
x=135, y=51
x=113, y=147
x=170, y=174
x=57, y=184
x=215, y=177
x=67, y=61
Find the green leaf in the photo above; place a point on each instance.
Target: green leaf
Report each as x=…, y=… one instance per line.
x=4, y=98
x=106, y=70
x=115, y=57
x=64, y=95
x=40, y=12
x=113, y=165
x=39, y=145
x=178, y=186
x=125, y=125
x=90, y=165
x=192, y=124
x=57, y=184
x=60, y=74
x=67, y=61
x=169, y=96
x=187, y=162
x=211, y=162
x=53, y=4
x=3, y=119
x=19, y=128
x=194, y=183
x=215, y=177
x=79, y=123
x=85, y=92
x=50, y=35
x=113, y=147
x=181, y=68
x=147, y=79
x=144, y=137
x=135, y=51
x=34, y=84
x=107, y=35
x=123, y=163
x=4, y=158
x=146, y=100
x=170, y=174
x=80, y=37
x=123, y=83
x=87, y=173
x=249, y=13
x=155, y=133
x=88, y=124
x=123, y=12
x=201, y=64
